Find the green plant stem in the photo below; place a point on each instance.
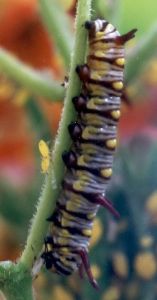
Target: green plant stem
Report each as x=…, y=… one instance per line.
x=58, y=26
x=15, y=282
x=142, y=53
x=51, y=189
x=34, y=80
x=39, y=225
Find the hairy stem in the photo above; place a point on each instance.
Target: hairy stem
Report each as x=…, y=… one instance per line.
x=15, y=282
x=32, y=79
x=53, y=180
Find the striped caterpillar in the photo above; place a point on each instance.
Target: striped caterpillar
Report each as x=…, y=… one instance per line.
x=89, y=161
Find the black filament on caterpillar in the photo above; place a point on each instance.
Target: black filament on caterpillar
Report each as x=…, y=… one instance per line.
x=89, y=161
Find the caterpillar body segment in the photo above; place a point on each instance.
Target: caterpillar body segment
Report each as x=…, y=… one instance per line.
x=89, y=161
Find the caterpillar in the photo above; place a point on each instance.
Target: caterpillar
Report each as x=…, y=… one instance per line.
x=89, y=161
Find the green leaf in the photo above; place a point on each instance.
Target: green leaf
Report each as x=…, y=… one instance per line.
x=58, y=26
x=139, y=14
x=142, y=54
x=33, y=80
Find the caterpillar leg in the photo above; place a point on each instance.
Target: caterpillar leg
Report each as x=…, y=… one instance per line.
x=83, y=72
x=80, y=102
x=75, y=130
x=48, y=240
x=69, y=159
x=47, y=254
x=85, y=262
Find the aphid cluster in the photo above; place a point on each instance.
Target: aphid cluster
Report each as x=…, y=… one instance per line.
x=89, y=161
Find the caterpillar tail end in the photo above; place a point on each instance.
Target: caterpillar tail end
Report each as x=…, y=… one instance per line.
x=86, y=264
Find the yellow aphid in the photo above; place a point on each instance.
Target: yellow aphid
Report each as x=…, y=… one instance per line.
x=45, y=164
x=43, y=148
x=44, y=151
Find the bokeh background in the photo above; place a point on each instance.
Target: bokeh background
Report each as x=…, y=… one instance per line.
x=123, y=252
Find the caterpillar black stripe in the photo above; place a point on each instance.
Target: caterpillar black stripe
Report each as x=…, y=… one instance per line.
x=89, y=161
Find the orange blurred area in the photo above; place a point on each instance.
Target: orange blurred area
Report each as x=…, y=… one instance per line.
x=16, y=148
x=15, y=17
x=22, y=33
x=139, y=118
x=53, y=113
